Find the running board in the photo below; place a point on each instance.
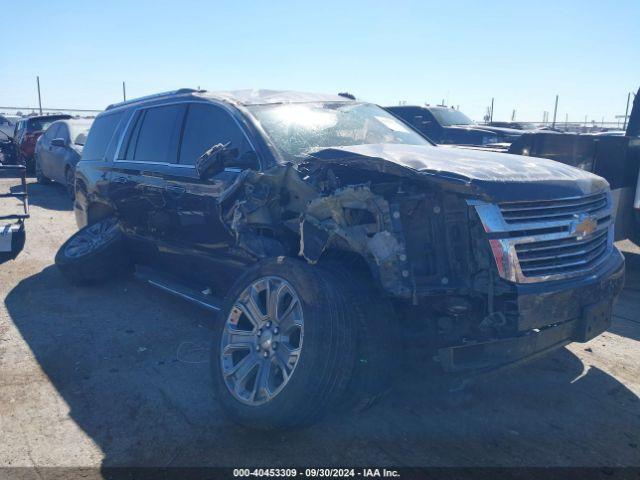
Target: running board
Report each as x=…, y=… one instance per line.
x=174, y=287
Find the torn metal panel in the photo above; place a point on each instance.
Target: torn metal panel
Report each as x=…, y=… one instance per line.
x=262, y=200
x=356, y=219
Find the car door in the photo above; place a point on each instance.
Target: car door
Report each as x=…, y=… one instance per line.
x=58, y=153
x=137, y=179
x=44, y=150
x=194, y=218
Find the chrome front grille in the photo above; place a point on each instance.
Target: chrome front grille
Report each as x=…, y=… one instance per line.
x=549, y=239
x=552, y=257
x=542, y=211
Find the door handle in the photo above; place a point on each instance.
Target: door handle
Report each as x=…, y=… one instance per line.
x=120, y=180
x=177, y=189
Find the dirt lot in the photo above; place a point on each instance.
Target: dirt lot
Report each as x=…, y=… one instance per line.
x=118, y=375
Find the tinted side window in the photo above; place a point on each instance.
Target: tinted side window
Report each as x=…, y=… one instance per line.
x=63, y=132
x=132, y=135
x=100, y=135
x=52, y=132
x=418, y=117
x=207, y=125
x=159, y=134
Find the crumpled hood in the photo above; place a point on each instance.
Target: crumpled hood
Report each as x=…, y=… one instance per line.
x=500, y=175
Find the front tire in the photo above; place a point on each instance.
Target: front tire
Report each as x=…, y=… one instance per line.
x=70, y=183
x=285, y=349
x=93, y=254
x=40, y=177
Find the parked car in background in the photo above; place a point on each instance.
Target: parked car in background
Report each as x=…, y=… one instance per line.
x=514, y=125
x=6, y=126
x=610, y=133
x=319, y=228
x=445, y=125
x=58, y=151
x=7, y=149
x=26, y=133
x=608, y=154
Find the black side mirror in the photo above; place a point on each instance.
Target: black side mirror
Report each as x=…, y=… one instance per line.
x=211, y=161
x=58, y=142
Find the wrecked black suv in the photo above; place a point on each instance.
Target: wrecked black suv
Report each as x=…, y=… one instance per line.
x=319, y=226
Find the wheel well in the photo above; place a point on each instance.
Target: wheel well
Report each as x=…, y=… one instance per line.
x=98, y=211
x=352, y=261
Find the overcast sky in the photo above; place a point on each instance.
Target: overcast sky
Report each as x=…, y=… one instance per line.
x=521, y=53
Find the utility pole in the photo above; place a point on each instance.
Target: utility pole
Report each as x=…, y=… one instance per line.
x=39, y=97
x=124, y=92
x=513, y=115
x=491, y=114
x=566, y=121
x=555, y=112
x=626, y=112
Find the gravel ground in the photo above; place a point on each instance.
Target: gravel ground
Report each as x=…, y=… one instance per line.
x=117, y=375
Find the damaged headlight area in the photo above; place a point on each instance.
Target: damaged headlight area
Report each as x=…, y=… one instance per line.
x=277, y=212
x=413, y=237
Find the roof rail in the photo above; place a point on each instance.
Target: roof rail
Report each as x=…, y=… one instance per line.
x=154, y=96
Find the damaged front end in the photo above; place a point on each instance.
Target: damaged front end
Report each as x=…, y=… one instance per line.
x=484, y=281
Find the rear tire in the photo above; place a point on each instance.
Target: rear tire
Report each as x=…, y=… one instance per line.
x=313, y=379
x=94, y=254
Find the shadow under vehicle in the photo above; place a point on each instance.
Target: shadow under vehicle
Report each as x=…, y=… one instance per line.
x=319, y=227
x=14, y=210
x=616, y=158
x=152, y=408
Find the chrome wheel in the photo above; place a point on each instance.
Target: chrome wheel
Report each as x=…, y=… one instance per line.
x=262, y=340
x=86, y=240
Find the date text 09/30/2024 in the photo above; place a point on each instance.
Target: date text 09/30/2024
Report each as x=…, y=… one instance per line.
x=316, y=472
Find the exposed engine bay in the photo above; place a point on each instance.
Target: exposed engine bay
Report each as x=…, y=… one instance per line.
x=419, y=238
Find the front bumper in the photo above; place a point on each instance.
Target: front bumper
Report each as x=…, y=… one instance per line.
x=580, y=309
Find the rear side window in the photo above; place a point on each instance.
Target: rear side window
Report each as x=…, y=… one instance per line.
x=51, y=132
x=99, y=136
x=63, y=132
x=418, y=117
x=156, y=135
x=208, y=125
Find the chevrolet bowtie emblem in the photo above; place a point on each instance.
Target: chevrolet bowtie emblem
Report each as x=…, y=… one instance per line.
x=585, y=227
